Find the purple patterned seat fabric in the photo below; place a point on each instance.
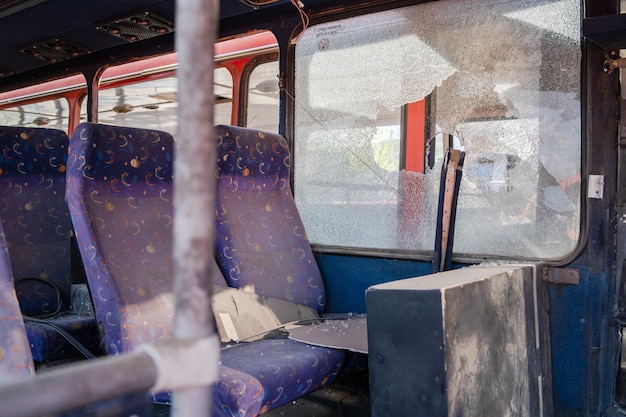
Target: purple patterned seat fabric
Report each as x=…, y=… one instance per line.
x=119, y=191
x=38, y=228
x=261, y=244
x=120, y=195
x=15, y=357
x=287, y=369
x=261, y=241
x=235, y=394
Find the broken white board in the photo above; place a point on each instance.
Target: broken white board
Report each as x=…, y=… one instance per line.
x=245, y=316
x=348, y=333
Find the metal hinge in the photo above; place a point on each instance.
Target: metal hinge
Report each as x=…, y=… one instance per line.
x=568, y=276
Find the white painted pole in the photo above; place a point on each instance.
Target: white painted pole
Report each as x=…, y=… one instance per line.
x=194, y=190
x=188, y=364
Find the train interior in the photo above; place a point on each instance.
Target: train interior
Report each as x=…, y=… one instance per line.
x=405, y=196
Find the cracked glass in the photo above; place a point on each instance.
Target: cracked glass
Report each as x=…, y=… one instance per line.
x=499, y=80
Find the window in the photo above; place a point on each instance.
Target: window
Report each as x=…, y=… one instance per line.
x=498, y=79
x=48, y=113
x=262, y=103
x=47, y=104
x=223, y=96
x=142, y=104
x=154, y=103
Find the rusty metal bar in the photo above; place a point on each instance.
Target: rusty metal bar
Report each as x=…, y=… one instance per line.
x=568, y=276
x=194, y=190
x=168, y=365
x=69, y=388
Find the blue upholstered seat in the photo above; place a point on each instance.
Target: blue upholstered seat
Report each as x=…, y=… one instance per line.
x=120, y=194
x=261, y=240
x=38, y=232
x=16, y=360
x=285, y=368
x=120, y=198
x=262, y=246
x=15, y=357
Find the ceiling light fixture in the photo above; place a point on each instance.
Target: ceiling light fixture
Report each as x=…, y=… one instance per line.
x=54, y=50
x=137, y=27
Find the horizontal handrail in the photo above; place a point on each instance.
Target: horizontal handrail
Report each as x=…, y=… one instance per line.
x=69, y=388
x=169, y=365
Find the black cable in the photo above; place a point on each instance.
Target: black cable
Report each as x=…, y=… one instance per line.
x=42, y=318
x=82, y=349
x=51, y=284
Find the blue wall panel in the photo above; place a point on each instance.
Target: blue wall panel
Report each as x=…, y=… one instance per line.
x=347, y=278
x=568, y=330
x=581, y=340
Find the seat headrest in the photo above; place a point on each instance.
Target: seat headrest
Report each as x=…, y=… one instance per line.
x=134, y=162
x=252, y=158
x=32, y=151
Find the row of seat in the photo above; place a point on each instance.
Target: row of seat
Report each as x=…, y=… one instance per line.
x=119, y=194
x=38, y=232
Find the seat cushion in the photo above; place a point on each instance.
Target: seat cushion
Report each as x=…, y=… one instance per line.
x=131, y=405
x=259, y=376
x=47, y=344
x=287, y=369
x=235, y=394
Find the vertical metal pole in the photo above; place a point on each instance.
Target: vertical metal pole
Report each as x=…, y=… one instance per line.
x=92, y=95
x=194, y=188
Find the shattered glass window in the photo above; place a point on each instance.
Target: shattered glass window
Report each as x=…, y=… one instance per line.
x=262, y=112
x=502, y=78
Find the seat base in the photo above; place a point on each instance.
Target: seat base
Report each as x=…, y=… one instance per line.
x=348, y=396
x=46, y=344
x=287, y=369
x=263, y=375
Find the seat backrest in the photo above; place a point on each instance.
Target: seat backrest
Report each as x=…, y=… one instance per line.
x=119, y=191
x=35, y=215
x=261, y=242
x=15, y=356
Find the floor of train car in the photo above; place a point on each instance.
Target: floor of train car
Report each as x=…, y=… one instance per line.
x=348, y=396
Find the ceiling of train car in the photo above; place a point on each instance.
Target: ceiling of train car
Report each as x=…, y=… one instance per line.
x=38, y=33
